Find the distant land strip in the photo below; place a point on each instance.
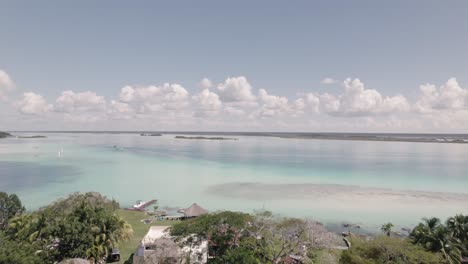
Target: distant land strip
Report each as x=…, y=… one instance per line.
x=392, y=137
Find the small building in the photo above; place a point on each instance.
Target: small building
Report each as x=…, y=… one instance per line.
x=157, y=246
x=194, y=211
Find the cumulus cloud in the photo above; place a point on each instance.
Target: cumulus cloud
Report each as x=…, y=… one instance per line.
x=6, y=84
x=449, y=96
x=272, y=105
x=236, y=104
x=119, y=110
x=207, y=103
x=32, y=104
x=358, y=101
x=155, y=98
x=312, y=102
x=236, y=89
x=329, y=81
x=205, y=83
x=70, y=102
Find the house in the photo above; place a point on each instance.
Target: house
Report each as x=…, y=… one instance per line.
x=157, y=246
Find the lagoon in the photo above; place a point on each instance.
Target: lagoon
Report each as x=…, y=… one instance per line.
x=334, y=181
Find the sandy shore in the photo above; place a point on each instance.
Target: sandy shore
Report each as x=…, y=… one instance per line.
x=343, y=196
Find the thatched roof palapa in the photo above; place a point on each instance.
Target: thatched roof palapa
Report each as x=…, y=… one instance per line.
x=195, y=210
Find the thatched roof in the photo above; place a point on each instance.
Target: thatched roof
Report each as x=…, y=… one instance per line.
x=195, y=210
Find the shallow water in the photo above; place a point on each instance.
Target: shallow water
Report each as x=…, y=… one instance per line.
x=179, y=172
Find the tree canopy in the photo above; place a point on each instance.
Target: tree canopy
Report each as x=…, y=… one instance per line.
x=79, y=226
x=10, y=206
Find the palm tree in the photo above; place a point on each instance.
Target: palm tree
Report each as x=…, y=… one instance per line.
x=435, y=237
x=387, y=228
x=458, y=226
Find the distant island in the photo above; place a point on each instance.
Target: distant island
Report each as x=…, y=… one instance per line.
x=37, y=136
x=150, y=134
x=4, y=134
x=207, y=138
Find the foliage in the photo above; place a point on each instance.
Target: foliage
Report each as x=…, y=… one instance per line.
x=139, y=230
x=10, y=206
x=80, y=226
x=260, y=238
x=450, y=239
x=209, y=224
x=384, y=249
x=14, y=253
x=387, y=228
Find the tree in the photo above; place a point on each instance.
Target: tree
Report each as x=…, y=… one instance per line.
x=13, y=253
x=384, y=249
x=10, y=206
x=80, y=226
x=387, y=228
x=458, y=226
x=223, y=230
x=435, y=237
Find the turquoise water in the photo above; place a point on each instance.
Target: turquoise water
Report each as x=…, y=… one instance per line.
x=179, y=172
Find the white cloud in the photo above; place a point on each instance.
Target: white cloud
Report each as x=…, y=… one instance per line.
x=236, y=89
x=312, y=102
x=235, y=105
x=155, y=98
x=233, y=111
x=207, y=103
x=6, y=84
x=205, y=83
x=272, y=105
x=119, y=110
x=359, y=101
x=328, y=81
x=329, y=102
x=70, y=102
x=448, y=97
x=394, y=104
x=32, y=104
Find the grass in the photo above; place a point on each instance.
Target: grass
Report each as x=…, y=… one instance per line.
x=139, y=231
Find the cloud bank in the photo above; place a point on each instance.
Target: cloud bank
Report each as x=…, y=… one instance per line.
x=234, y=104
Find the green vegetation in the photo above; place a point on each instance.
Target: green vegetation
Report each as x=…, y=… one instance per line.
x=260, y=238
x=387, y=228
x=431, y=241
x=10, y=206
x=450, y=240
x=384, y=249
x=127, y=248
x=80, y=226
x=89, y=225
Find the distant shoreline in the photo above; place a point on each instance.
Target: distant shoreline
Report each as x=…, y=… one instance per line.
x=383, y=137
x=205, y=138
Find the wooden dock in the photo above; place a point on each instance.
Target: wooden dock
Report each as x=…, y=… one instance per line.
x=142, y=207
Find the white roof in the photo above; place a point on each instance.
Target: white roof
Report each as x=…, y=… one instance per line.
x=154, y=233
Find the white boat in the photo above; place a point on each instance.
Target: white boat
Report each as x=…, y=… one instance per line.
x=138, y=204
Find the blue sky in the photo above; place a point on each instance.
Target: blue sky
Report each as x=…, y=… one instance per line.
x=285, y=48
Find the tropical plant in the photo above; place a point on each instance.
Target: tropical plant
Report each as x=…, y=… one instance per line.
x=12, y=252
x=387, y=228
x=384, y=249
x=80, y=226
x=10, y=206
x=434, y=236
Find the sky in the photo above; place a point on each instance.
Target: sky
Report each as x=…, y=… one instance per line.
x=336, y=66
